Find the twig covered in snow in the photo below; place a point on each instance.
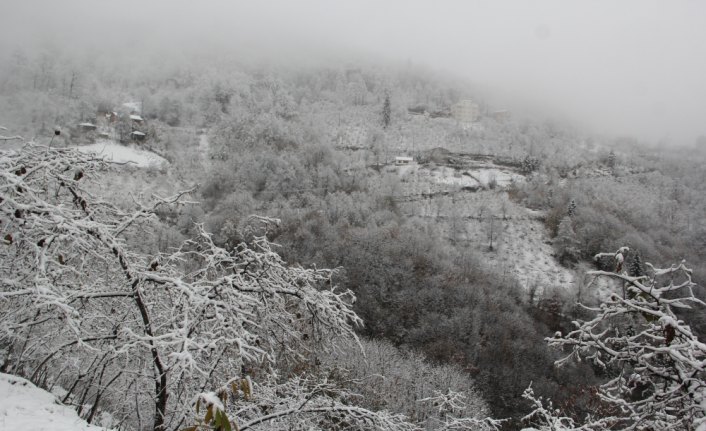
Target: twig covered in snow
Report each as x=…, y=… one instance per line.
x=449, y=405
x=657, y=364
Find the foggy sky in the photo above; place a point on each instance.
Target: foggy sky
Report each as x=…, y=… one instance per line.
x=621, y=67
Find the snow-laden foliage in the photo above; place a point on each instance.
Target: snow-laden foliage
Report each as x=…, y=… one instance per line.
x=655, y=362
x=297, y=403
x=142, y=334
x=450, y=406
x=397, y=380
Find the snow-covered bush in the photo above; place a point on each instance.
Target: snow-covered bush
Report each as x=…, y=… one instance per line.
x=396, y=380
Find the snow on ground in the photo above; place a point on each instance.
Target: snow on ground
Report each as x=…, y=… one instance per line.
x=524, y=248
x=25, y=407
x=479, y=177
x=445, y=175
x=115, y=152
x=502, y=177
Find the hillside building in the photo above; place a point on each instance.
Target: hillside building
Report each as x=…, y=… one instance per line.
x=465, y=111
x=137, y=135
x=403, y=160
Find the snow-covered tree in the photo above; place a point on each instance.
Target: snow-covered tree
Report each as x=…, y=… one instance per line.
x=295, y=403
x=654, y=361
x=529, y=165
x=84, y=306
x=448, y=405
x=398, y=380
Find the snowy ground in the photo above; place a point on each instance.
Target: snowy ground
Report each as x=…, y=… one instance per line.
x=524, y=248
x=25, y=407
x=423, y=179
x=486, y=176
x=115, y=152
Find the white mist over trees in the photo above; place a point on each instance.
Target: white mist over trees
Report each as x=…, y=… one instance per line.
x=630, y=68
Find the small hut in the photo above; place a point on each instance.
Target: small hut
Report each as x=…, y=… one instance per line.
x=403, y=160
x=138, y=136
x=87, y=127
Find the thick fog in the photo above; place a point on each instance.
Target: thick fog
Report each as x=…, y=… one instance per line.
x=629, y=67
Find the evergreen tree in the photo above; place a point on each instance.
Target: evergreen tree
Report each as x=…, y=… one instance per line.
x=611, y=159
x=550, y=198
x=386, y=112
x=571, y=211
x=529, y=165
x=636, y=269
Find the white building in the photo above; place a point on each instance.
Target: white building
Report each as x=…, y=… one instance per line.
x=465, y=111
x=403, y=160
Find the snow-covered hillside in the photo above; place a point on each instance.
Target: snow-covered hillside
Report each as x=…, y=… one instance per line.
x=525, y=249
x=522, y=247
x=25, y=407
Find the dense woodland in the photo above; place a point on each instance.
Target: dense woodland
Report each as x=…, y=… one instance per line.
x=308, y=151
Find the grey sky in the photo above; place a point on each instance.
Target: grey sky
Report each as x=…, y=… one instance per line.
x=628, y=67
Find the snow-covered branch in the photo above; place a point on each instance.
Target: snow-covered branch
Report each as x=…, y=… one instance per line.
x=74, y=290
x=297, y=403
x=450, y=405
x=656, y=364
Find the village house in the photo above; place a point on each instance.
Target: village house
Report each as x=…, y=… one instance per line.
x=106, y=121
x=137, y=135
x=87, y=127
x=106, y=118
x=402, y=160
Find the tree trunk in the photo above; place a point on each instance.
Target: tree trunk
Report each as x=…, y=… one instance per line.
x=160, y=378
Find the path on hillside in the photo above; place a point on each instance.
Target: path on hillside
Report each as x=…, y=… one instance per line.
x=203, y=148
